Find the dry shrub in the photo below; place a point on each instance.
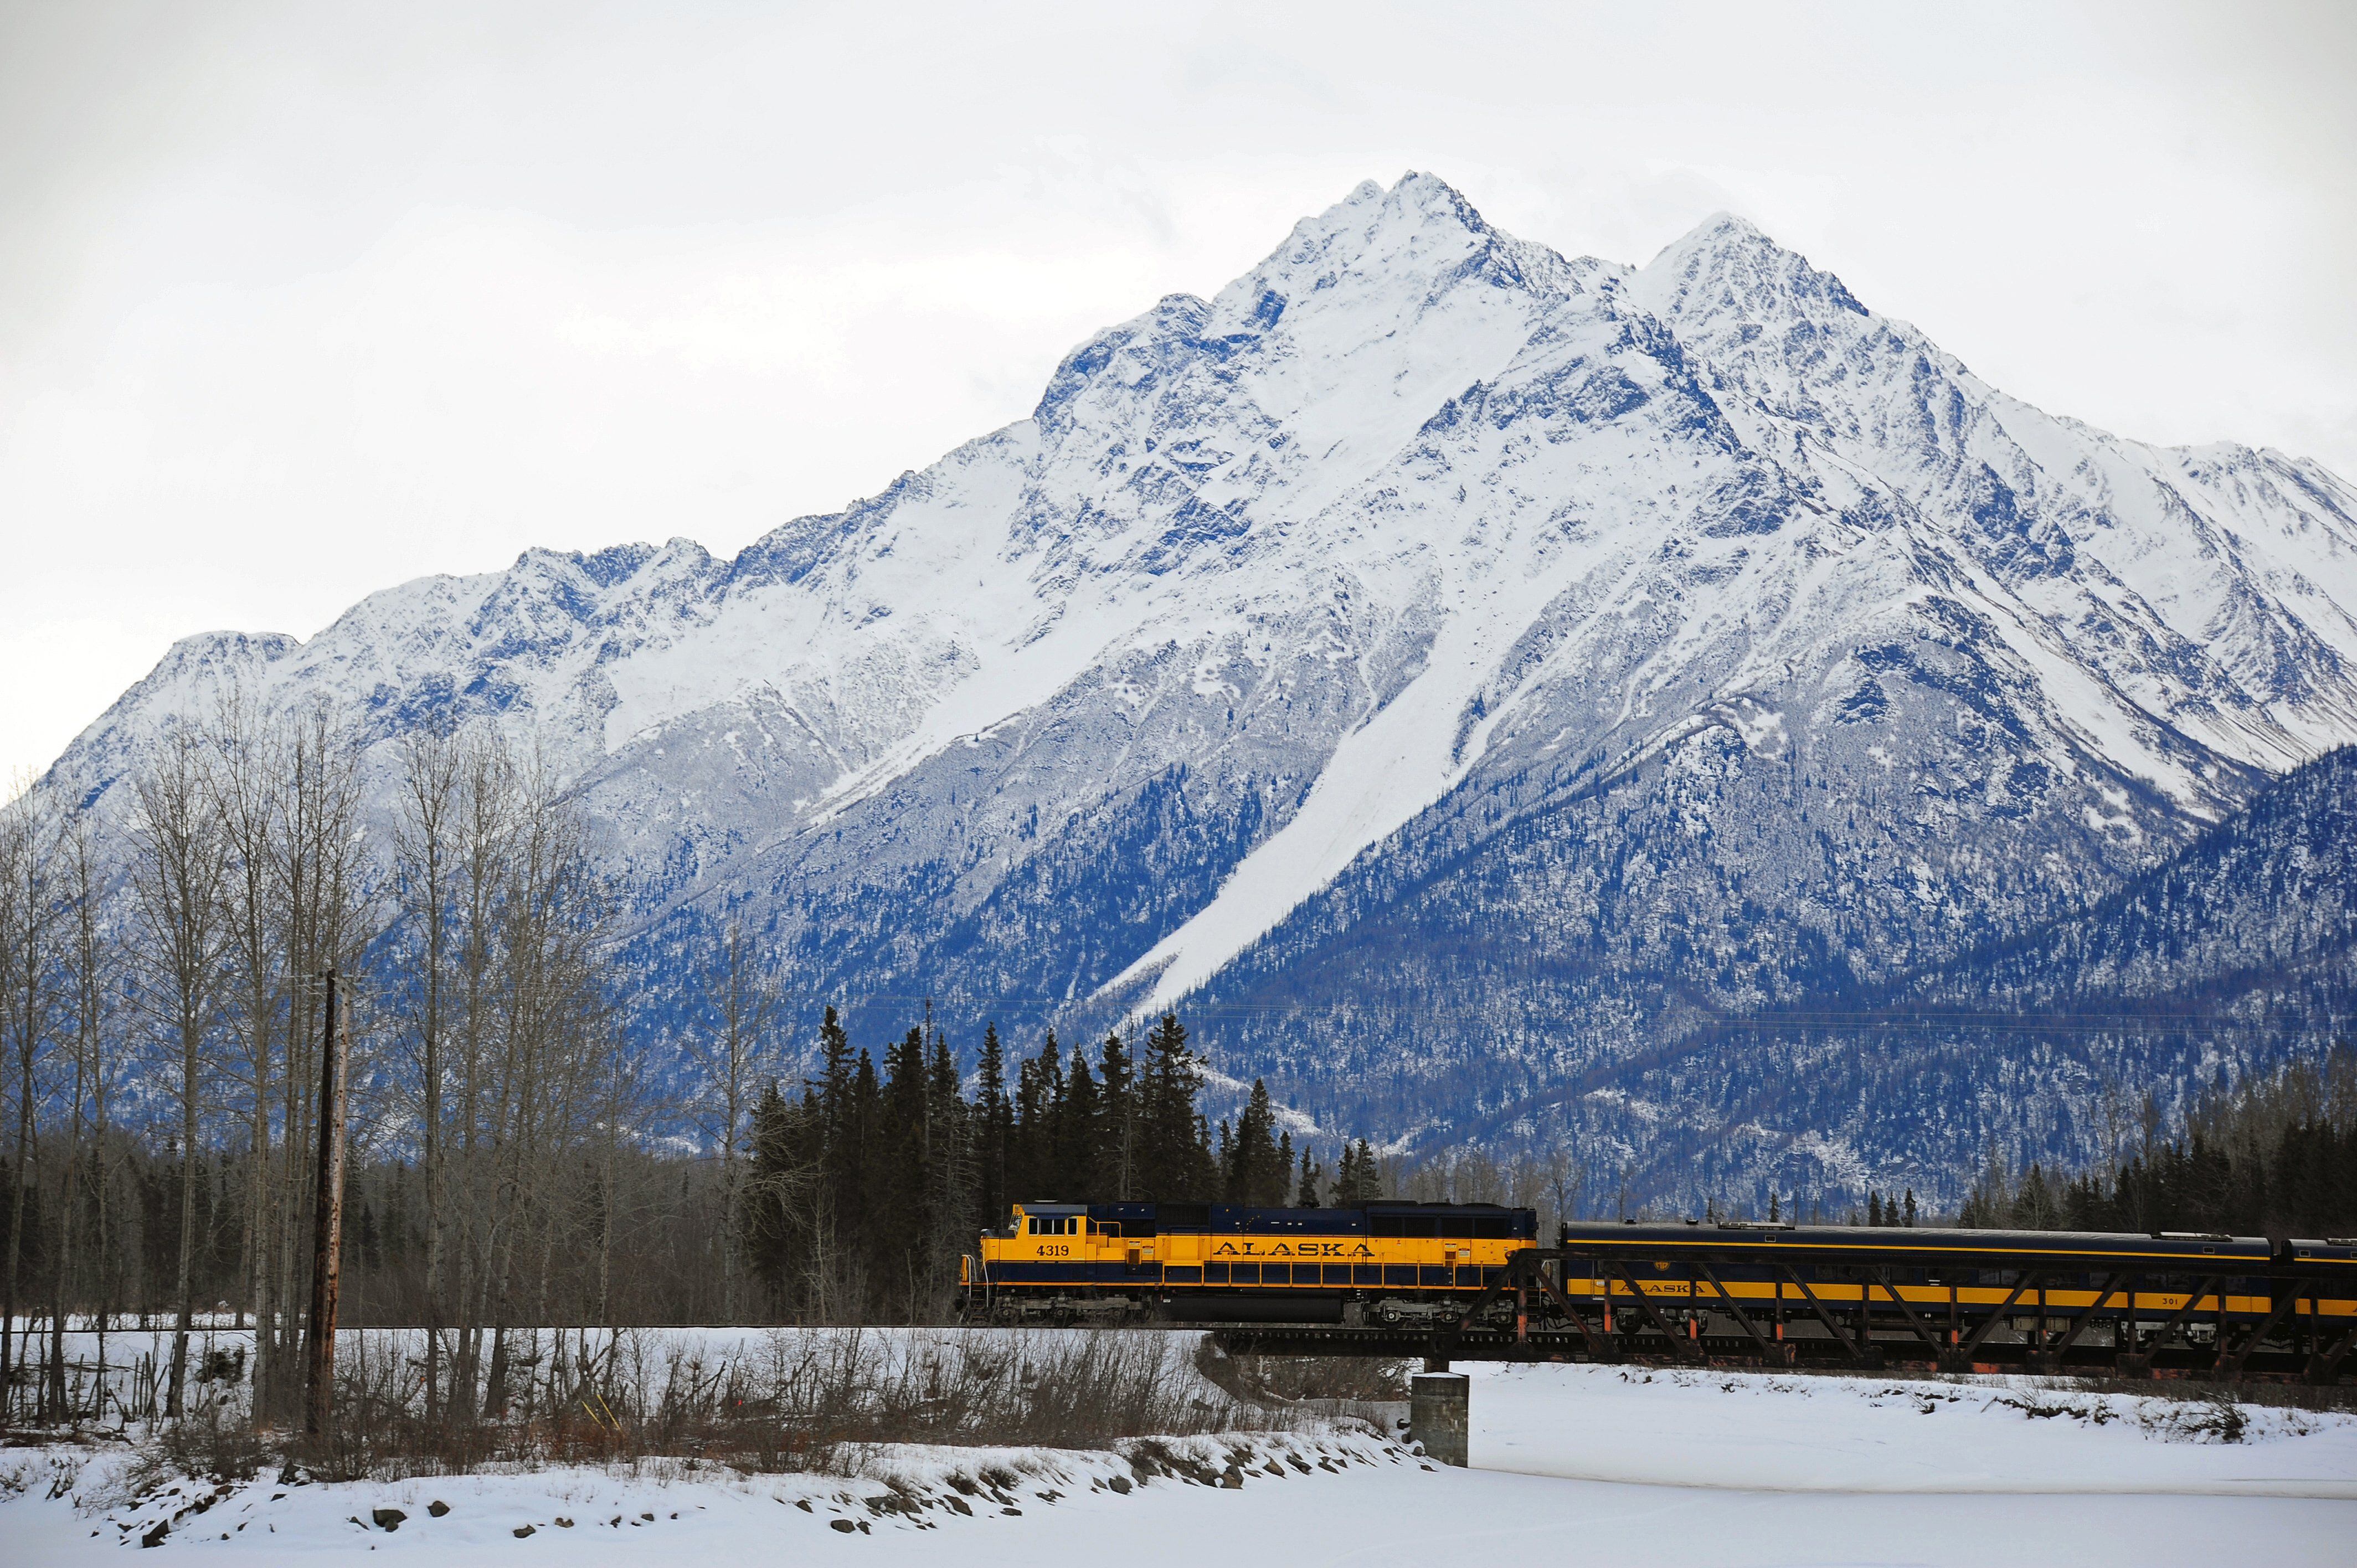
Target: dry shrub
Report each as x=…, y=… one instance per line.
x=795, y=1400
x=213, y=1441
x=2269, y=1393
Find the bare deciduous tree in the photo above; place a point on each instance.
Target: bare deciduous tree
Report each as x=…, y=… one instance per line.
x=434, y=768
x=178, y=867
x=742, y=1000
x=27, y=928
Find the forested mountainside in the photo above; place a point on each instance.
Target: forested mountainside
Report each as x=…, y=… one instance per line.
x=1453, y=668
x=2072, y=1043
x=2265, y=906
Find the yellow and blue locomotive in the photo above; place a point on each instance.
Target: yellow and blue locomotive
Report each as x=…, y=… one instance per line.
x=1385, y=1263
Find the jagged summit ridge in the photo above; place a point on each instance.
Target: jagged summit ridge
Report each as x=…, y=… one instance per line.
x=1704, y=622
x=1727, y=268
x=2162, y=566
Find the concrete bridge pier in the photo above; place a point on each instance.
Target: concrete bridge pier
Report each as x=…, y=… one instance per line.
x=1439, y=1415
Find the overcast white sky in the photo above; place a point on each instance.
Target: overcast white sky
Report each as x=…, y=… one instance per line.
x=300, y=301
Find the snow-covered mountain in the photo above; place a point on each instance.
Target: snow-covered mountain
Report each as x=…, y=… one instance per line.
x=1454, y=666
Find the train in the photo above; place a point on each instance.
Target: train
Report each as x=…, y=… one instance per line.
x=1476, y=1279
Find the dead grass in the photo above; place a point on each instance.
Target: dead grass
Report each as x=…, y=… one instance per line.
x=793, y=1401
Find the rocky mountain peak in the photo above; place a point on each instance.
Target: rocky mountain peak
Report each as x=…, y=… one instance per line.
x=1726, y=272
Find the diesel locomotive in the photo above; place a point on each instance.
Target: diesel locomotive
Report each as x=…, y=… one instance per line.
x=1475, y=1278
x=1385, y=1263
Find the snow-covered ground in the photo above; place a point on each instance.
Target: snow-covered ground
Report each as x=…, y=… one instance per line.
x=2007, y=1436
x=1581, y=1462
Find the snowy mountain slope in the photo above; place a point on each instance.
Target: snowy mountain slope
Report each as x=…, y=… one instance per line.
x=2210, y=583
x=2240, y=948
x=1507, y=656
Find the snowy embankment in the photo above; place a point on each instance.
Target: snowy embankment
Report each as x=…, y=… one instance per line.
x=981, y=1498
x=1603, y=1463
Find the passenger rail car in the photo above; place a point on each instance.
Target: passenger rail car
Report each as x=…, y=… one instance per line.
x=1385, y=1263
x=1959, y=1298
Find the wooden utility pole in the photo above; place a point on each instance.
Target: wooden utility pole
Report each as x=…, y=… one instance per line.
x=328, y=1222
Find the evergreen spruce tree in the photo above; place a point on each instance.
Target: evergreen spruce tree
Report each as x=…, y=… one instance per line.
x=862, y=1231
x=1049, y=1087
x=1305, y=1196
x=1874, y=1209
x=1024, y=1123
x=841, y=1158
x=1078, y=1134
x=1117, y=1145
x=1038, y=1108
x=1359, y=1181
x=949, y=1166
x=995, y=1118
x=1908, y=1216
x=902, y=1131
x=1174, y=1155
x=903, y=1179
x=1257, y=1167
x=834, y=1069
